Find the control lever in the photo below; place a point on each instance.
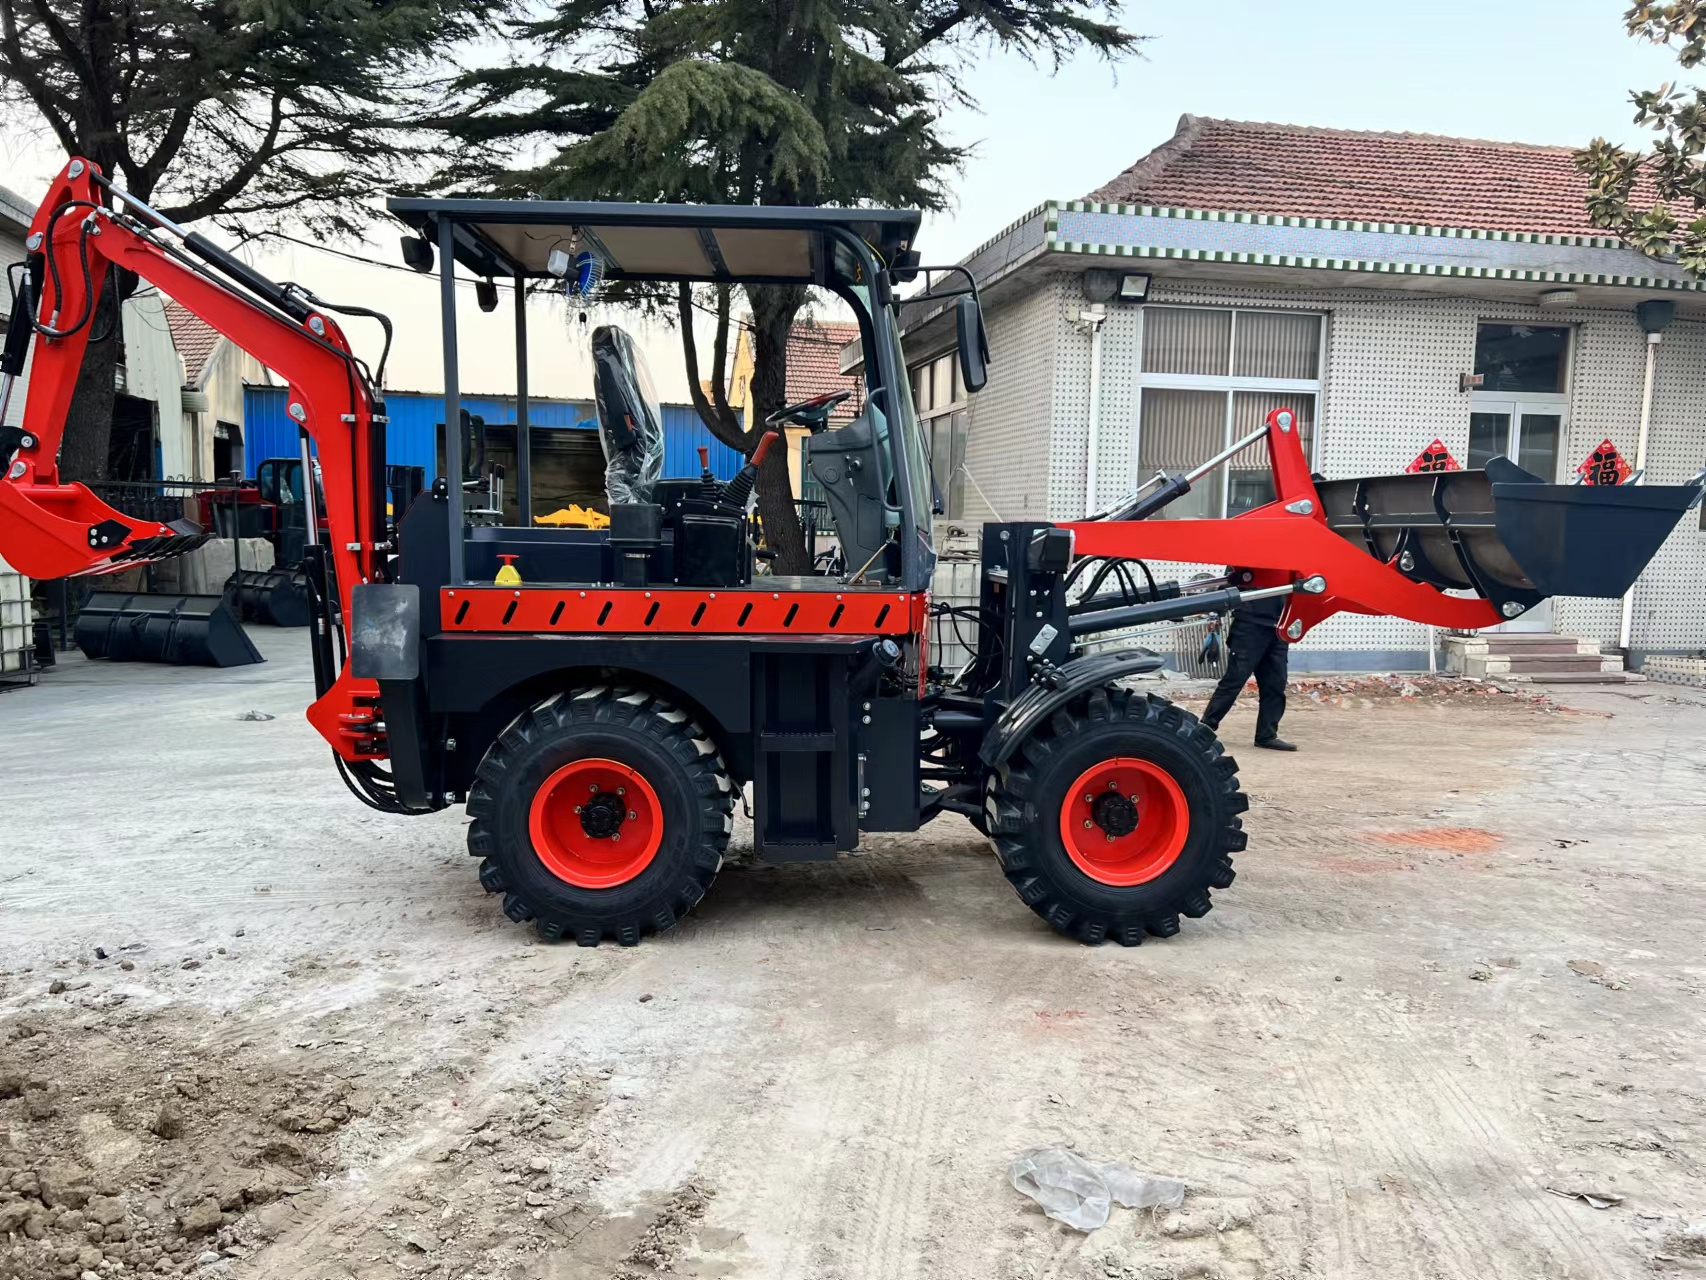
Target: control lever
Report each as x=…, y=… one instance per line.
x=709, y=489
x=737, y=493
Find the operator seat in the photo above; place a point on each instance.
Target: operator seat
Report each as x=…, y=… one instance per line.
x=630, y=421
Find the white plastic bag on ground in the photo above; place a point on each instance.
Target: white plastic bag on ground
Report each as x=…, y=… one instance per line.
x=1081, y=1192
x=1142, y=1190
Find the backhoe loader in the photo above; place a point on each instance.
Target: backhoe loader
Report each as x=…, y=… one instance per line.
x=599, y=707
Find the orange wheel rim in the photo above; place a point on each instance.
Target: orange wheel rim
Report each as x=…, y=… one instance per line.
x=595, y=823
x=1124, y=821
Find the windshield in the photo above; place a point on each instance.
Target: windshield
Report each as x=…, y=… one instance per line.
x=906, y=420
x=900, y=414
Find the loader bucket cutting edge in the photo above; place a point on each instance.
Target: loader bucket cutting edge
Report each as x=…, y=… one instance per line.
x=1506, y=534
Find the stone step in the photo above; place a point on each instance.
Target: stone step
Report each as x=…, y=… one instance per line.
x=1538, y=662
x=1581, y=677
x=1533, y=644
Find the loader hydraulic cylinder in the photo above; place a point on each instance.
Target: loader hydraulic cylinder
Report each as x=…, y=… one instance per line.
x=1223, y=601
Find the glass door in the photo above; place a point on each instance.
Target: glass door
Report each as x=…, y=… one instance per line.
x=1531, y=433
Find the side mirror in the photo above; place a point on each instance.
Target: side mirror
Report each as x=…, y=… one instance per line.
x=974, y=342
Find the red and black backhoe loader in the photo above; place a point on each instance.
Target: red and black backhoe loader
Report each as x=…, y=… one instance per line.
x=598, y=715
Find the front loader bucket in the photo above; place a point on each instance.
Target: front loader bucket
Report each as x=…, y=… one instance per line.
x=271, y=597
x=1506, y=534
x=197, y=631
x=1585, y=540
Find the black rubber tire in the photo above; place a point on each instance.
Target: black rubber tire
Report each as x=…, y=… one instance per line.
x=647, y=734
x=1023, y=808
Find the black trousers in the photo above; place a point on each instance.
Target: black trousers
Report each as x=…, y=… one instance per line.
x=1252, y=648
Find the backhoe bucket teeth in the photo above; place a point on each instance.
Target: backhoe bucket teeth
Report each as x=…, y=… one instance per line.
x=1506, y=534
x=196, y=631
x=271, y=597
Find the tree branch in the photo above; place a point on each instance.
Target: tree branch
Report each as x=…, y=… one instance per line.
x=719, y=419
x=720, y=357
x=55, y=108
x=165, y=151
x=211, y=202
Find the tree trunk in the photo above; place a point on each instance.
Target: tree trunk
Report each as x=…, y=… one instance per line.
x=773, y=310
x=89, y=422
x=84, y=448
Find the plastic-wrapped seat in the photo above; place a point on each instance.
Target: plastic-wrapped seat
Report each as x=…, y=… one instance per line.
x=630, y=420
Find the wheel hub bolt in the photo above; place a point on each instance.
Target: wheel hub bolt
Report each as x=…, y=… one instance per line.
x=1114, y=813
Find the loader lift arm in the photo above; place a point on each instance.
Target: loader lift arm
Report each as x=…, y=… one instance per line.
x=1392, y=545
x=61, y=529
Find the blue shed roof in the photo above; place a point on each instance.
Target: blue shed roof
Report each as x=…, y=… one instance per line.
x=411, y=438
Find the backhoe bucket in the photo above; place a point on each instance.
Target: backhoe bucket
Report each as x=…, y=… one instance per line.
x=1505, y=533
x=271, y=597
x=199, y=631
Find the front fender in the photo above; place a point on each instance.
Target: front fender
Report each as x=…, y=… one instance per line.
x=1037, y=703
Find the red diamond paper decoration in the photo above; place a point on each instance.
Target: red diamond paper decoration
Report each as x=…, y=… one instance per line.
x=1436, y=457
x=1604, y=466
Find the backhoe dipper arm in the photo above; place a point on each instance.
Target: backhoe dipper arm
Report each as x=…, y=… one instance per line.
x=53, y=529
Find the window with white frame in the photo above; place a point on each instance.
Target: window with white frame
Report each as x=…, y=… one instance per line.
x=940, y=398
x=1209, y=376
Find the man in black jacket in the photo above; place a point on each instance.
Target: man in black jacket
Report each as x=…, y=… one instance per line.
x=1253, y=646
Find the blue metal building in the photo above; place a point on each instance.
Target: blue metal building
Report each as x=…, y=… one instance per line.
x=411, y=436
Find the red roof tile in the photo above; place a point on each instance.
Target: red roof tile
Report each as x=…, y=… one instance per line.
x=1293, y=170
x=814, y=365
x=195, y=339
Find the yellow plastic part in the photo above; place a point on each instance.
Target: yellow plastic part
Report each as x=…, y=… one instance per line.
x=508, y=577
x=575, y=516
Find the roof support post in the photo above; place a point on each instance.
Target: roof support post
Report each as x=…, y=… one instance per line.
x=523, y=428
x=452, y=395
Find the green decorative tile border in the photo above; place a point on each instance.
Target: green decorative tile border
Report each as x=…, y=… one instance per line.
x=1054, y=244
x=1337, y=224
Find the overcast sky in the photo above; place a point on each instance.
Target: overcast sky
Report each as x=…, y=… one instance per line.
x=1556, y=72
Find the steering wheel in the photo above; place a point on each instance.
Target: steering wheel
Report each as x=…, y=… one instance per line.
x=813, y=413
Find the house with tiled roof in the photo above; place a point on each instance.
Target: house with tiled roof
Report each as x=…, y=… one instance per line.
x=215, y=373
x=1391, y=288
x=814, y=369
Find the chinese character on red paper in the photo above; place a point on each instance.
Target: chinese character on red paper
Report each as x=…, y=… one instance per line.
x=1436, y=457
x=1604, y=466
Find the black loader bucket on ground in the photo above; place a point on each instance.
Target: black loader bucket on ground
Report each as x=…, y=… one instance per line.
x=197, y=631
x=1505, y=533
x=271, y=597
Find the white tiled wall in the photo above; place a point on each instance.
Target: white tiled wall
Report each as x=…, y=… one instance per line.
x=1390, y=386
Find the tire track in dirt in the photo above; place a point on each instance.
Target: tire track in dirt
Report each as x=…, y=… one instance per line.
x=1547, y=1212
x=890, y=1180
x=1350, y=1236
x=1436, y=1227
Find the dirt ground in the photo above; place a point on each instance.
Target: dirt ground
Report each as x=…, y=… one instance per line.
x=250, y=1028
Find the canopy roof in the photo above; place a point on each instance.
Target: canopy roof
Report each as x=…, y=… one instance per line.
x=752, y=243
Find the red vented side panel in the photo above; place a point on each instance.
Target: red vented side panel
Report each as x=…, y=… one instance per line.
x=678, y=611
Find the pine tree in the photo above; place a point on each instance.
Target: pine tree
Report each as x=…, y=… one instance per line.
x=802, y=102
x=251, y=112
